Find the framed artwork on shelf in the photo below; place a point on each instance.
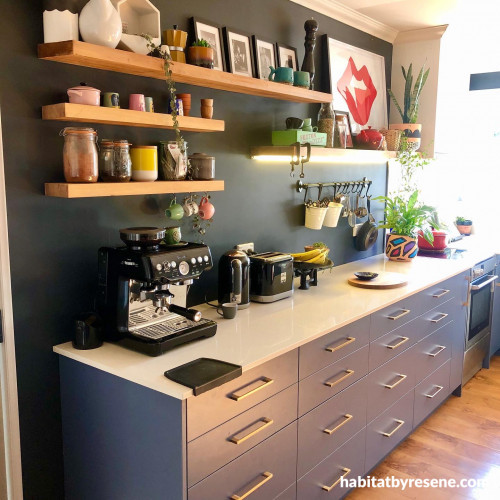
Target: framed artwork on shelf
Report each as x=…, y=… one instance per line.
x=346, y=131
x=265, y=56
x=239, y=52
x=287, y=56
x=357, y=82
x=211, y=32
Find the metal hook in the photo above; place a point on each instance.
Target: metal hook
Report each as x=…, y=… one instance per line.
x=320, y=190
x=369, y=184
x=305, y=193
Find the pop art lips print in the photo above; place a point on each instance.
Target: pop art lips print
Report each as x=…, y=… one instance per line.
x=360, y=82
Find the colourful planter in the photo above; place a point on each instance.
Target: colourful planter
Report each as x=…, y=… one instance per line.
x=201, y=56
x=412, y=132
x=464, y=229
x=401, y=248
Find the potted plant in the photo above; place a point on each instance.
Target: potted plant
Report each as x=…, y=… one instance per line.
x=464, y=225
x=201, y=54
x=409, y=112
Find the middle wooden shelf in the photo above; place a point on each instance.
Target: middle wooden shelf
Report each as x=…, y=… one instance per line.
x=127, y=117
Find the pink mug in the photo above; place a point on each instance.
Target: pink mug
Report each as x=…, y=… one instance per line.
x=137, y=102
x=206, y=209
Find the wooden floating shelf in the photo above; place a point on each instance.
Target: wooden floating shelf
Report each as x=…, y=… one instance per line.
x=320, y=154
x=127, y=117
x=98, y=189
x=99, y=57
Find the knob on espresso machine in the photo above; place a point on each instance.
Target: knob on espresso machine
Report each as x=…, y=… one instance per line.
x=234, y=278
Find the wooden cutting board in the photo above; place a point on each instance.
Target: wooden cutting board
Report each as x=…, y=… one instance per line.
x=383, y=281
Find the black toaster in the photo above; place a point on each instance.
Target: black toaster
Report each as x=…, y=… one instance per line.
x=271, y=276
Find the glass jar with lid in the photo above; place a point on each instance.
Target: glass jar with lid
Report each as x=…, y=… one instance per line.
x=80, y=155
x=326, y=122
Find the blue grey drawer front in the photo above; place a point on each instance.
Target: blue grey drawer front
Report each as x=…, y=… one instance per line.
x=394, y=316
x=438, y=294
x=225, y=402
x=329, y=381
x=266, y=470
x=431, y=392
x=432, y=320
x=330, y=425
x=333, y=346
x=390, y=382
x=216, y=448
x=289, y=494
x=387, y=430
x=324, y=481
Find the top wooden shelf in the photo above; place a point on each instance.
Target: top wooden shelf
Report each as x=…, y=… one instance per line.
x=99, y=57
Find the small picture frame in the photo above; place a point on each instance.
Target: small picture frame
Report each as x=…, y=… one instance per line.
x=348, y=131
x=265, y=56
x=287, y=56
x=239, y=53
x=211, y=32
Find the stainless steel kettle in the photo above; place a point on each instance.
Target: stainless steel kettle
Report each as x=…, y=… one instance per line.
x=234, y=282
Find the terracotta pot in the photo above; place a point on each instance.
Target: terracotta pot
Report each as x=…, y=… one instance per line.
x=201, y=56
x=401, y=248
x=186, y=102
x=464, y=229
x=412, y=132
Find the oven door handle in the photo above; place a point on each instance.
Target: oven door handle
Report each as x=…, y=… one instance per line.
x=482, y=285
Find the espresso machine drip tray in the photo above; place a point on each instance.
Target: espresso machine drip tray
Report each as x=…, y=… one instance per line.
x=167, y=327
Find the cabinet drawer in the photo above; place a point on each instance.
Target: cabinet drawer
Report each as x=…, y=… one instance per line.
x=323, y=482
x=394, y=316
x=387, y=430
x=289, y=494
x=333, y=346
x=390, y=382
x=216, y=448
x=431, y=392
x=214, y=407
x=432, y=320
x=330, y=425
x=442, y=292
x=434, y=350
x=324, y=384
x=268, y=469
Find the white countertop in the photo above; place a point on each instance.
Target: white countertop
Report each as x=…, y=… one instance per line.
x=265, y=331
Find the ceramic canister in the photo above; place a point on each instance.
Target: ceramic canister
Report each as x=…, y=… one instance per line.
x=144, y=163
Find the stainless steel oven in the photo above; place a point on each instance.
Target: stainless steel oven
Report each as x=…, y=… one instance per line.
x=480, y=304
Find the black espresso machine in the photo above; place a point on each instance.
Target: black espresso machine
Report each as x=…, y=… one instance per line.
x=137, y=287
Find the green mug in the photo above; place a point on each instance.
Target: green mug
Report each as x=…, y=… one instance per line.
x=172, y=235
x=175, y=210
x=111, y=100
x=301, y=79
x=281, y=75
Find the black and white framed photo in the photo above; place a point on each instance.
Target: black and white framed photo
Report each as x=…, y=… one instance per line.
x=265, y=56
x=287, y=56
x=211, y=32
x=239, y=52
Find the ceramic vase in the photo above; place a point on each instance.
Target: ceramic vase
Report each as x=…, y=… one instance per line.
x=412, y=132
x=60, y=20
x=401, y=248
x=100, y=23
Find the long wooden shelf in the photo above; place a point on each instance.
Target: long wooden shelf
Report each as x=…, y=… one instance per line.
x=99, y=189
x=99, y=57
x=127, y=117
x=319, y=154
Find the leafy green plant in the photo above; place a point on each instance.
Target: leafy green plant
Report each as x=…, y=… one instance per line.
x=411, y=162
x=201, y=43
x=411, y=94
x=462, y=221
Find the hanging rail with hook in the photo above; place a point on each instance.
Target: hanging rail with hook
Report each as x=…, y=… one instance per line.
x=353, y=185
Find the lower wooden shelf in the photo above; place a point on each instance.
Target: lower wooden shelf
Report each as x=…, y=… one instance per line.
x=98, y=189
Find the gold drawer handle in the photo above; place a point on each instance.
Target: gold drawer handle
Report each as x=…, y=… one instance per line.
x=395, y=346
x=345, y=471
x=346, y=417
x=263, y=382
x=348, y=373
x=400, y=424
x=439, y=389
x=437, y=320
x=441, y=349
x=439, y=295
x=255, y=428
x=402, y=377
x=254, y=486
x=404, y=312
x=349, y=340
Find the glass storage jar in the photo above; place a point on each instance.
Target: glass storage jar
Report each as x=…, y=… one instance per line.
x=80, y=156
x=122, y=164
x=326, y=122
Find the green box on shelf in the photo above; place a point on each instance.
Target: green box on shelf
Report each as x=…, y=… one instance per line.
x=287, y=137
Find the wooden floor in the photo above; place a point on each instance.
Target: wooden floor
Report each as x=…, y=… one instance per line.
x=460, y=440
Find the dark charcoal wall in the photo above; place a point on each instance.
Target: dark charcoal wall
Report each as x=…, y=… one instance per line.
x=53, y=242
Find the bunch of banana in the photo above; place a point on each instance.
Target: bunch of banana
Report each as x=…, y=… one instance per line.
x=316, y=256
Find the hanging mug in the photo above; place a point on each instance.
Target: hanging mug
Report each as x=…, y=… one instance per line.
x=175, y=210
x=190, y=207
x=206, y=209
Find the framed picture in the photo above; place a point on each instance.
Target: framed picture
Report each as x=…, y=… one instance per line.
x=357, y=82
x=287, y=56
x=346, y=129
x=265, y=56
x=210, y=32
x=239, y=52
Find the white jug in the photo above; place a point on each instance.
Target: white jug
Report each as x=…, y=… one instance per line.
x=100, y=23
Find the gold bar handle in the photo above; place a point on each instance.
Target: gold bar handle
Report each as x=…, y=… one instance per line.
x=439, y=389
x=345, y=471
x=255, y=428
x=441, y=349
x=348, y=373
x=253, y=486
x=260, y=384
x=395, y=346
x=400, y=424
x=442, y=294
x=349, y=340
x=402, y=377
x=437, y=320
x=346, y=418
x=404, y=312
